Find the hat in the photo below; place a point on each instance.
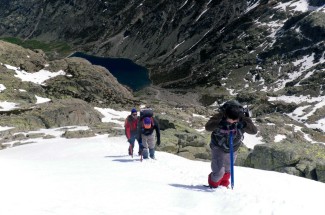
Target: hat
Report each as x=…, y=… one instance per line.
x=133, y=110
x=234, y=112
x=230, y=104
x=233, y=103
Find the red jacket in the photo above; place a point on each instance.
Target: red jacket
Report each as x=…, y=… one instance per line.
x=130, y=126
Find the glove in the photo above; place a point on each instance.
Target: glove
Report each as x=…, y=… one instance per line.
x=158, y=142
x=241, y=125
x=223, y=123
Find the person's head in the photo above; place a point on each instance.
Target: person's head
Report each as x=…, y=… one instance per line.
x=134, y=112
x=233, y=111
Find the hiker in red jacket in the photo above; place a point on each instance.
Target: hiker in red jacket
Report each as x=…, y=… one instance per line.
x=130, y=126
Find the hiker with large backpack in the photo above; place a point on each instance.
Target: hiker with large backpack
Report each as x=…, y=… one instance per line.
x=146, y=135
x=130, y=125
x=232, y=121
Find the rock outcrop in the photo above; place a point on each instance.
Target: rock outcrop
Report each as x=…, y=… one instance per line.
x=72, y=89
x=296, y=158
x=87, y=82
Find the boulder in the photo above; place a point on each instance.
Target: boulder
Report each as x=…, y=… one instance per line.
x=67, y=112
x=78, y=134
x=299, y=158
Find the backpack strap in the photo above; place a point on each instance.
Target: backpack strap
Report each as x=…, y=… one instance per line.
x=152, y=122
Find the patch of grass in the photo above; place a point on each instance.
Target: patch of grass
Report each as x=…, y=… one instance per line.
x=61, y=48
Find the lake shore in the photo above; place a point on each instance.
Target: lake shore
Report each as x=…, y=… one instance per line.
x=127, y=72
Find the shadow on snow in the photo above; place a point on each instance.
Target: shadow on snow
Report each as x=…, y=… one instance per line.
x=200, y=188
x=126, y=159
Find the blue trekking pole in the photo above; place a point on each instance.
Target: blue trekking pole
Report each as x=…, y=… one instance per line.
x=231, y=160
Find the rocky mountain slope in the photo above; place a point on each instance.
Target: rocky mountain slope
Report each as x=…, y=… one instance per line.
x=184, y=43
x=71, y=86
x=214, y=49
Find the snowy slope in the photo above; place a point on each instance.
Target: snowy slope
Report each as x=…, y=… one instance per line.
x=95, y=176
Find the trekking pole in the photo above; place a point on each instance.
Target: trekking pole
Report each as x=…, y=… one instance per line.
x=141, y=151
x=231, y=160
x=141, y=157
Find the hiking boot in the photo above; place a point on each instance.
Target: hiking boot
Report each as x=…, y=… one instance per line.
x=145, y=153
x=225, y=180
x=130, y=150
x=152, y=153
x=213, y=184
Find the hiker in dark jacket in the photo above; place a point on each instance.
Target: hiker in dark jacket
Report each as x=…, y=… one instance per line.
x=231, y=117
x=146, y=135
x=130, y=126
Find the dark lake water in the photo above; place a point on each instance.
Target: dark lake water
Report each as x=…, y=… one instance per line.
x=125, y=70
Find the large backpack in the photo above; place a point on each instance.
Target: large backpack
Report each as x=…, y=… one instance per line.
x=148, y=112
x=146, y=117
x=148, y=122
x=220, y=138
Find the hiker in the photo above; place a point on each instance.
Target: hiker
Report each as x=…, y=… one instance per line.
x=130, y=126
x=146, y=126
x=231, y=117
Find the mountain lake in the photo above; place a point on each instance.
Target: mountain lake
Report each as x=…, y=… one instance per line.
x=125, y=70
